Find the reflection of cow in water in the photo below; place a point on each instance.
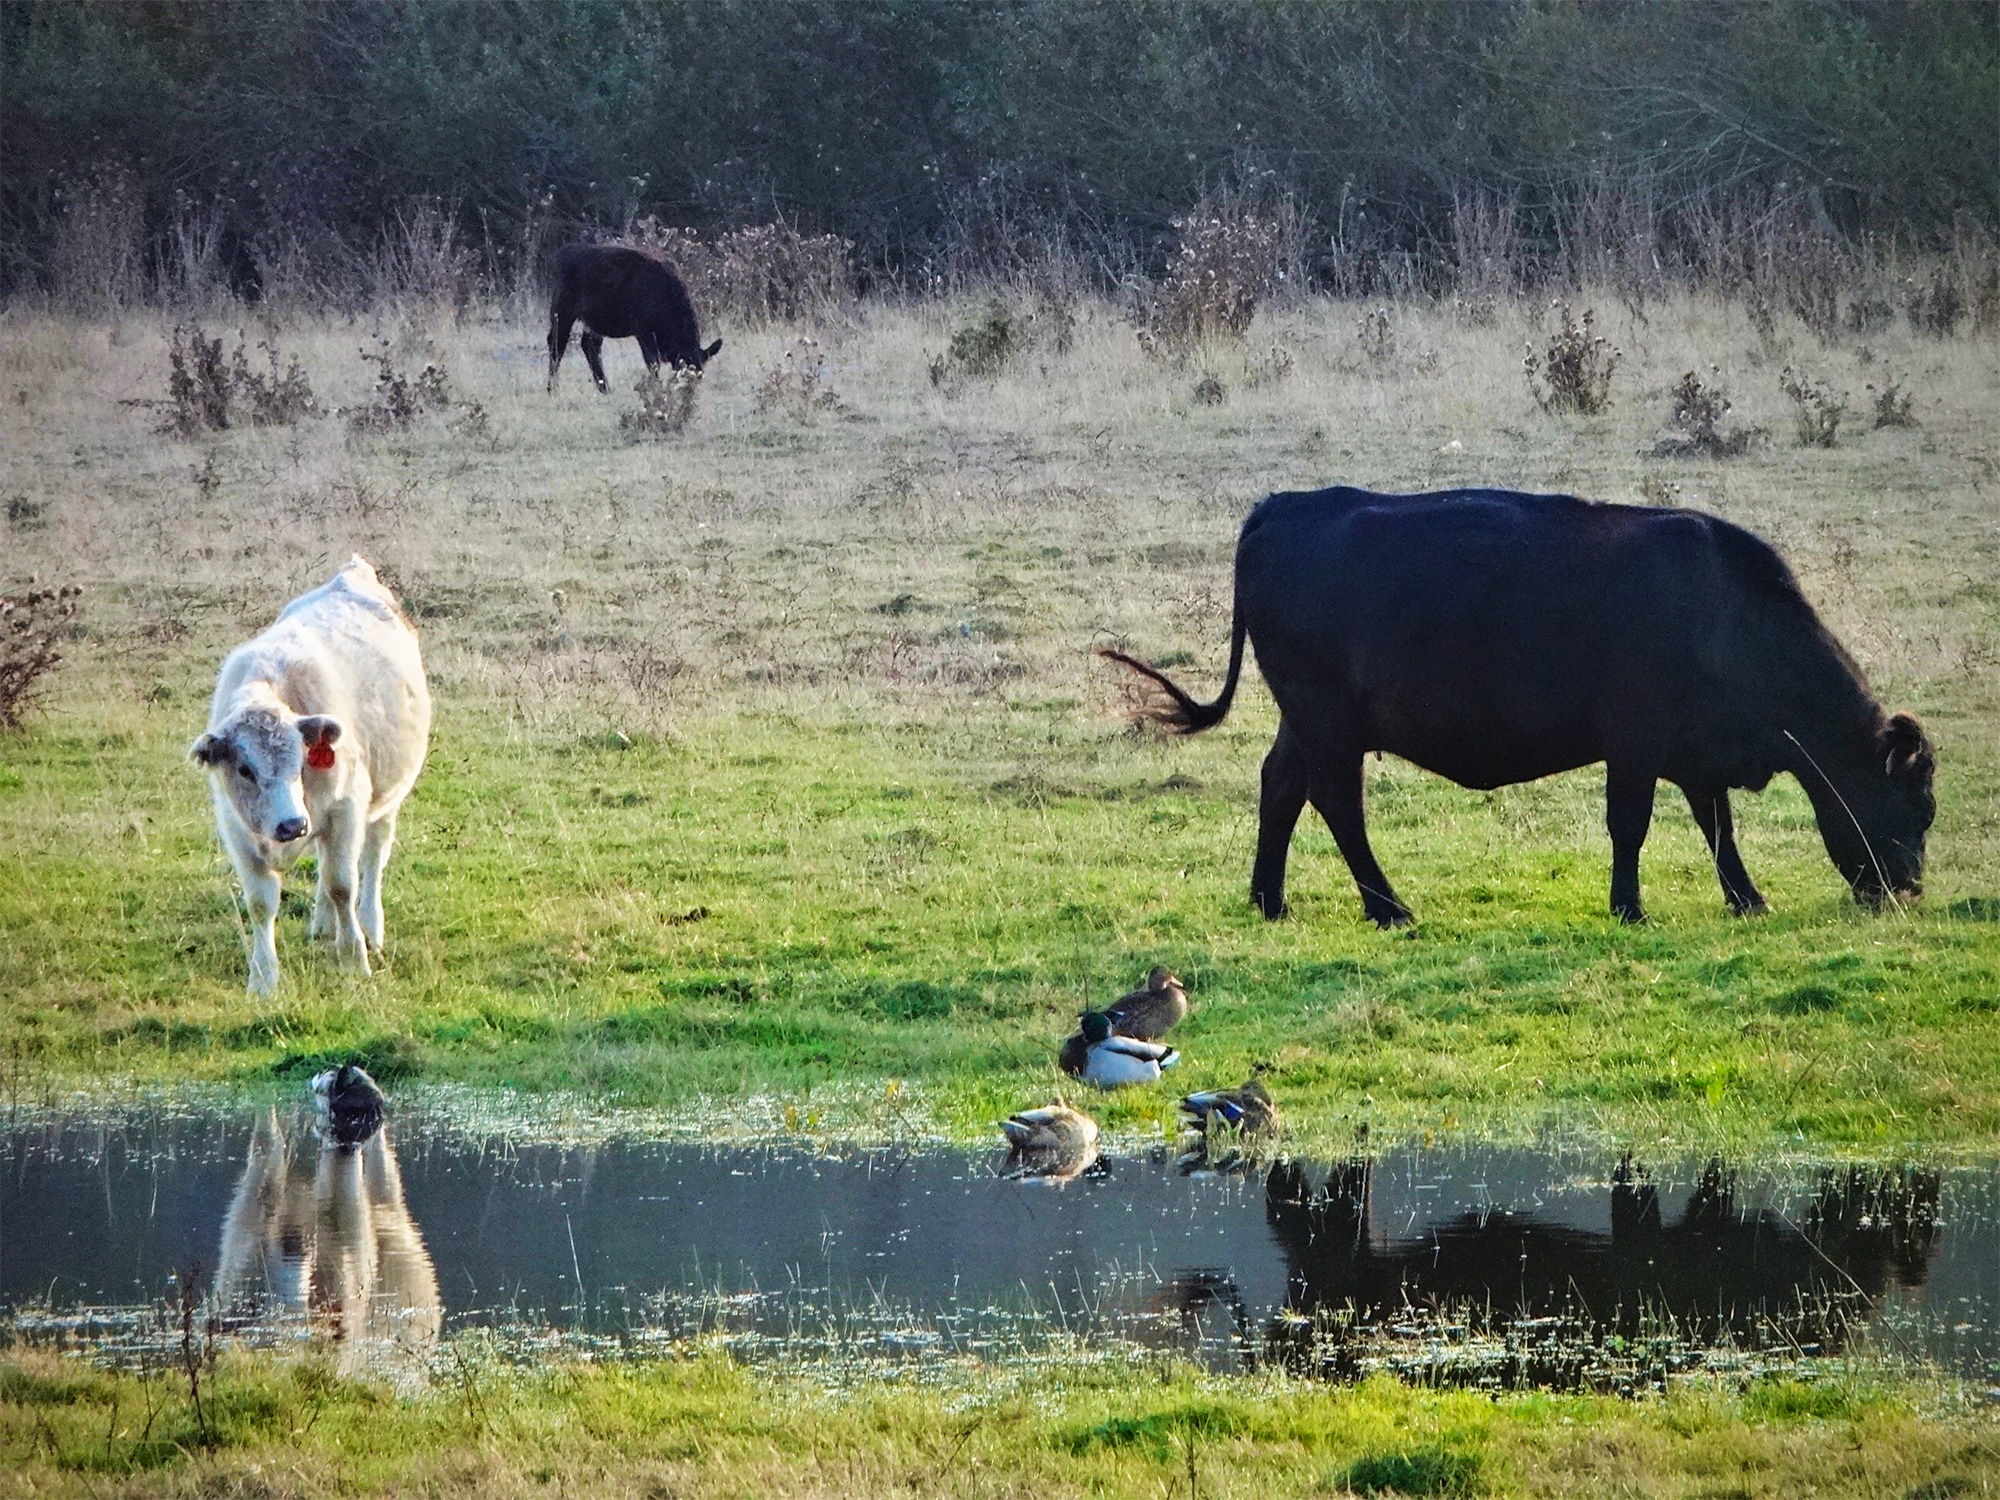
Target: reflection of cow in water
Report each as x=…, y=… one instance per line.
x=1717, y=1274
x=318, y=1229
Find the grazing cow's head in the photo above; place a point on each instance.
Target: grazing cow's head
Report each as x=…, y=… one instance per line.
x=259, y=758
x=1877, y=838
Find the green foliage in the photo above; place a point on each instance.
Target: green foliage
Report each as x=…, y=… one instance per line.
x=913, y=130
x=1415, y=1471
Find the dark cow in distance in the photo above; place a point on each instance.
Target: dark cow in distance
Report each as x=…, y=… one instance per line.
x=1495, y=637
x=620, y=293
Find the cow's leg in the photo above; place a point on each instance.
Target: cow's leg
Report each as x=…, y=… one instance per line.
x=1283, y=798
x=560, y=324
x=1710, y=806
x=1628, y=813
x=261, y=890
x=1335, y=789
x=593, y=350
x=340, y=868
x=375, y=847
x=322, y=918
x=649, y=351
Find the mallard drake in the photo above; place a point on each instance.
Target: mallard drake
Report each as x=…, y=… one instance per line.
x=1149, y=1013
x=1053, y=1127
x=1248, y=1107
x=1097, y=1055
x=352, y=1101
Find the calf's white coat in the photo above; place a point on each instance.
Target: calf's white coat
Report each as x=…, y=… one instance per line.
x=316, y=734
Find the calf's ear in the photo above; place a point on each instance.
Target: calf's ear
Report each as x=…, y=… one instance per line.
x=209, y=750
x=1905, y=746
x=319, y=729
x=712, y=350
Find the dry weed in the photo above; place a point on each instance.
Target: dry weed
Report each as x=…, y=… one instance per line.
x=1573, y=372
x=796, y=386
x=32, y=629
x=1817, y=408
x=1695, y=423
x=666, y=403
x=1227, y=264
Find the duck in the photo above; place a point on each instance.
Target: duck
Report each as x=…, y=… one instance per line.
x=1150, y=1012
x=1054, y=1144
x=352, y=1101
x=1053, y=1127
x=1247, y=1107
x=1098, y=1055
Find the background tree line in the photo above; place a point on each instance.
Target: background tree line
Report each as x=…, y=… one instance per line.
x=945, y=139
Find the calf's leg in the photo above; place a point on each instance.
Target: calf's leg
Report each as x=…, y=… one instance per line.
x=261, y=889
x=1628, y=813
x=1335, y=789
x=1710, y=806
x=375, y=847
x=559, y=326
x=340, y=868
x=1278, y=809
x=593, y=348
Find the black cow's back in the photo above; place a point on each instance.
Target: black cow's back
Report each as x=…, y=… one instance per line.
x=1495, y=637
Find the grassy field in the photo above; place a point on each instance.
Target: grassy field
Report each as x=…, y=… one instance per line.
x=774, y=777
x=774, y=758
x=700, y=1427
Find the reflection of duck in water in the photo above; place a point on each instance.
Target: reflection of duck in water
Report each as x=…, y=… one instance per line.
x=1721, y=1270
x=319, y=1229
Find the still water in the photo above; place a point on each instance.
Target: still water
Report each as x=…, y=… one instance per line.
x=1482, y=1267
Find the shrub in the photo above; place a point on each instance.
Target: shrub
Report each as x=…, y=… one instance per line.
x=1892, y=406
x=1573, y=372
x=197, y=385
x=982, y=345
x=399, y=400
x=796, y=385
x=1936, y=304
x=1227, y=264
x=1208, y=390
x=202, y=389
x=1375, y=336
x=1429, y=1470
x=1817, y=408
x=275, y=400
x=666, y=403
x=768, y=273
x=1695, y=423
x=31, y=631
x=1273, y=367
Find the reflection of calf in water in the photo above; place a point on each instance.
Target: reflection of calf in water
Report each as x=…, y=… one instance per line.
x=1719, y=1273
x=318, y=1229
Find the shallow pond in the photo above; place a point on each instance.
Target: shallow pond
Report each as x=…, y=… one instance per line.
x=1475, y=1266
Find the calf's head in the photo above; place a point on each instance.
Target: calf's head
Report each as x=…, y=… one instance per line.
x=1875, y=829
x=259, y=758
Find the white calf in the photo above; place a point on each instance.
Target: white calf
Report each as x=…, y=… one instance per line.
x=318, y=730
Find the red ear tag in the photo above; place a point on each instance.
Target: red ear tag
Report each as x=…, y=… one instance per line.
x=320, y=757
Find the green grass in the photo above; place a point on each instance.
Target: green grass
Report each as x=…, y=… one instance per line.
x=767, y=905
x=700, y=1426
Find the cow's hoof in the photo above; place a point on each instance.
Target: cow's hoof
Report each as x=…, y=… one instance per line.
x=1272, y=907
x=1386, y=917
x=1754, y=907
x=1631, y=916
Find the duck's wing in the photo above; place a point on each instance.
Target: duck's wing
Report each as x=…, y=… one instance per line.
x=1074, y=1056
x=1131, y=1046
x=1226, y=1103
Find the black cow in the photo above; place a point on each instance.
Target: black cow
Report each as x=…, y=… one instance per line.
x=620, y=293
x=1496, y=637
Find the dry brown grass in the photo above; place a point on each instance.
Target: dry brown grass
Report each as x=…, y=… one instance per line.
x=1072, y=499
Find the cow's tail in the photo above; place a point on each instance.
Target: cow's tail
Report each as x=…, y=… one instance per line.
x=1171, y=707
